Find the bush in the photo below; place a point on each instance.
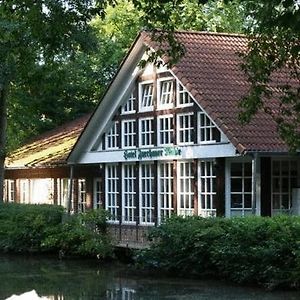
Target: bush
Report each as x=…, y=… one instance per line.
x=46, y=228
x=264, y=251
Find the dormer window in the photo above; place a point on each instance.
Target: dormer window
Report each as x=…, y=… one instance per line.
x=146, y=96
x=165, y=94
x=129, y=106
x=183, y=97
x=208, y=132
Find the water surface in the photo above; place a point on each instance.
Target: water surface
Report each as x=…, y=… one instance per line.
x=86, y=279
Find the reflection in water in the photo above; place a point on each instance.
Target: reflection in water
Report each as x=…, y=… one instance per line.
x=84, y=279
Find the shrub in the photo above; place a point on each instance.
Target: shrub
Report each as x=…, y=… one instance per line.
x=260, y=250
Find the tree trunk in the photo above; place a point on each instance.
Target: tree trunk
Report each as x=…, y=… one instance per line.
x=3, y=126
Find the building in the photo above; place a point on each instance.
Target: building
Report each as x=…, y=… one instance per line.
x=168, y=141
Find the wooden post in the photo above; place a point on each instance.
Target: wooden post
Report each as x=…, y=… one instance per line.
x=220, y=186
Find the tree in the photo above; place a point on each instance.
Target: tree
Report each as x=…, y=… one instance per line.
x=34, y=33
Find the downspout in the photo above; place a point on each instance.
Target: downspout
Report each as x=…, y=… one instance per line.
x=70, y=192
x=254, y=171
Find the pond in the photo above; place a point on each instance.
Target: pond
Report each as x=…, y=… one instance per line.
x=85, y=279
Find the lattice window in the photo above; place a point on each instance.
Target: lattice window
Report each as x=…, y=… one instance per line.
x=146, y=130
x=165, y=130
x=146, y=193
x=185, y=129
x=207, y=191
x=183, y=97
x=81, y=195
x=112, y=136
x=146, y=96
x=111, y=191
x=129, y=193
x=166, y=94
x=208, y=132
x=129, y=106
x=128, y=136
x=98, y=202
x=165, y=190
x=185, y=188
x=241, y=188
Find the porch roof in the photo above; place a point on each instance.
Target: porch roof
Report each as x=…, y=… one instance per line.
x=49, y=149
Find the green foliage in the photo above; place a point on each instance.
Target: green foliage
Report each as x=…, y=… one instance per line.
x=44, y=228
x=264, y=251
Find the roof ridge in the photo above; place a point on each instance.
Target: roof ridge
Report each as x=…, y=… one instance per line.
x=241, y=35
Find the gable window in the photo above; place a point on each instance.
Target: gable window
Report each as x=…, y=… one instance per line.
x=165, y=190
x=166, y=94
x=111, y=191
x=183, y=97
x=165, y=130
x=208, y=132
x=185, y=129
x=128, y=133
x=146, y=130
x=185, y=189
x=146, y=96
x=241, y=188
x=146, y=193
x=207, y=189
x=81, y=195
x=129, y=194
x=112, y=136
x=129, y=106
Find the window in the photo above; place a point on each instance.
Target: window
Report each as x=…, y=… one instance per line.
x=185, y=188
x=63, y=191
x=284, y=178
x=97, y=193
x=112, y=136
x=166, y=94
x=129, y=193
x=146, y=193
x=112, y=191
x=165, y=190
x=165, y=130
x=81, y=195
x=146, y=96
x=185, y=129
x=9, y=190
x=208, y=132
x=128, y=133
x=24, y=191
x=146, y=130
x=241, y=188
x=183, y=97
x=129, y=106
x=207, y=190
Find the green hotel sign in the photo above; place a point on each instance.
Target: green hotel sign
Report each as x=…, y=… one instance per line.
x=151, y=153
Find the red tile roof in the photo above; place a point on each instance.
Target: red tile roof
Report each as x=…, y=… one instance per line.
x=49, y=149
x=210, y=70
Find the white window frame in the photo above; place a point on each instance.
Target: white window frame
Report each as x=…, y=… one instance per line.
x=180, y=128
x=165, y=190
x=82, y=203
x=281, y=177
x=181, y=90
x=112, y=192
x=187, y=209
x=63, y=186
x=24, y=190
x=9, y=191
x=129, y=106
x=129, y=136
x=98, y=193
x=170, y=93
x=243, y=210
x=143, y=108
x=146, y=197
x=149, y=132
x=206, y=185
x=208, y=129
x=167, y=133
x=111, y=137
x=129, y=196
